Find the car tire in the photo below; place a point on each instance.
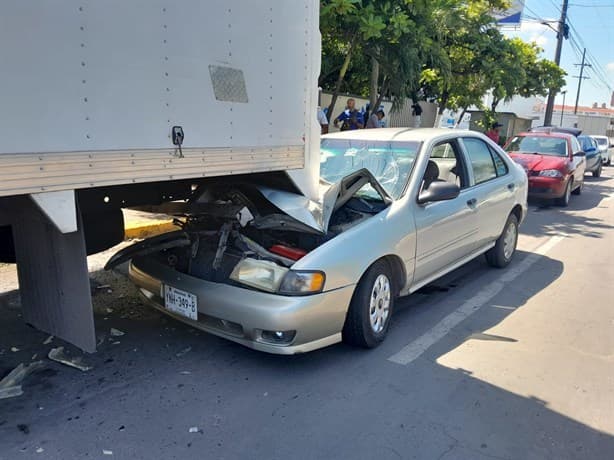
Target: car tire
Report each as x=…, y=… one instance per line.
x=579, y=189
x=597, y=172
x=368, y=318
x=564, y=200
x=503, y=252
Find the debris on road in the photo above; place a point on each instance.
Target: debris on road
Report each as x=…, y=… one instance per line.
x=40, y=450
x=116, y=332
x=10, y=385
x=193, y=429
x=183, y=352
x=14, y=349
x=107, y=452
x=48, y=340
x=58, y=355
x=185, y=372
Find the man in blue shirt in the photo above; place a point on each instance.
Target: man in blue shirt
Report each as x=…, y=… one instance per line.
x=350, y=118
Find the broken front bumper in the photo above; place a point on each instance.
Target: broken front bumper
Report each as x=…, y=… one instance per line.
x=242, y=315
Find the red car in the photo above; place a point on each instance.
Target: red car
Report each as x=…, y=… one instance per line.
x=554, y=162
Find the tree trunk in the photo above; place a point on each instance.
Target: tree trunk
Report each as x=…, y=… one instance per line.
x=460, y=119
x=342, y=72
x=374, y=86
x=443, y=102
x=382, y=93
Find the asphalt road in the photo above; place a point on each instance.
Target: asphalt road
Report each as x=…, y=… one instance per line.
x=506, y=364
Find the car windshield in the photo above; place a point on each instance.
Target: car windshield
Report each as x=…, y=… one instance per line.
x=601, y=140
x=390, y=162
x=543, y=145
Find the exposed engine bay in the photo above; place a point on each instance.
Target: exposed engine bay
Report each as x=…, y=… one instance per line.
x=231, y=227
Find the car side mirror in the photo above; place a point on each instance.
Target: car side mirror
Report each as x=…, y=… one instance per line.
x=439, y=191
x=579, y=154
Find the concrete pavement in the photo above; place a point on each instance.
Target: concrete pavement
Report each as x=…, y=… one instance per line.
x=511, y=364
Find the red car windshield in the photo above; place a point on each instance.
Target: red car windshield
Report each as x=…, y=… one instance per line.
x=542, y=145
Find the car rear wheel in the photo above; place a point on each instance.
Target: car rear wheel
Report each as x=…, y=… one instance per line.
x=597, y=172
x=564, y=200
x=501, y=255
x=368, y=318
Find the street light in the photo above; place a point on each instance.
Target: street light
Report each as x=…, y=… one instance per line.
x=563, y=108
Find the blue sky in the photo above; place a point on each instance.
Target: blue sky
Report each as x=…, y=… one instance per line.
x=593, y=21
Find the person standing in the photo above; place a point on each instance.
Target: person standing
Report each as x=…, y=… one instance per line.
x=416, y=111
x=350, y=118
x=493, y=132
x=375, y=119
x=322, y=120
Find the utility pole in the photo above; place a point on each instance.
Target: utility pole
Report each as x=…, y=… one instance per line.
x=561, y=35
x=580, y=78
x=564, y=93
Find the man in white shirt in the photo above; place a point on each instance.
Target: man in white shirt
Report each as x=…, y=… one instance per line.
x=322, y=120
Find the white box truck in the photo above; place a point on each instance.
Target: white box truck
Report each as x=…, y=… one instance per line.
x=105, y=105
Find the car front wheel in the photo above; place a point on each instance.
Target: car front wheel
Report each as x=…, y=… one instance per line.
x=501, y=255
x=368, y=318
x=564, y=200
x=597, y=172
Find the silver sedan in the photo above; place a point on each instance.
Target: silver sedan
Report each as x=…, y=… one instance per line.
x=256, y=263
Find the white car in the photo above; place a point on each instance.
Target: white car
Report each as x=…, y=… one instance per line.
x=260, y=265
x=605, y=149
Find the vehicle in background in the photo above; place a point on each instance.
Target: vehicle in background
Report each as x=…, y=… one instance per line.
x=594, y=164
x=267, y=268
x=604, y=148
x=554, y=162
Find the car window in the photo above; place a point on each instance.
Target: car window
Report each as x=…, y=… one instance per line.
x=500, y=164
x=543, y=145
x=481, y=160
x=601, y=141
x=575, y=145
x=390, y=162
x=445, y=165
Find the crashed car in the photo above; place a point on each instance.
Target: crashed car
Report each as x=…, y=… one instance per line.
x=263, y=266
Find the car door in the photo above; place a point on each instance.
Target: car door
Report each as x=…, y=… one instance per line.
x=446, y=231
x=493, y=187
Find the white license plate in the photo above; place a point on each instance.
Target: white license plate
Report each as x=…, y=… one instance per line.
x=180, y=302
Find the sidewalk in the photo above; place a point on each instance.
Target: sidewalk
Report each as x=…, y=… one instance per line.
x=140, y=224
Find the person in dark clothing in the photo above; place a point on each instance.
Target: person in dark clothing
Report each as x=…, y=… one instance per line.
x=416, y=111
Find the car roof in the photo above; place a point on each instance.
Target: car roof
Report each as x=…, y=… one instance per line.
x=398, y=134
x=545, y=134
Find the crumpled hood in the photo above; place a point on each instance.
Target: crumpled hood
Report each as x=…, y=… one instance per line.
x=536, y=162
x=317, y=215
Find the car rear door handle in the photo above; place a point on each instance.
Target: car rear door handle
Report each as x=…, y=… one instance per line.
x=472, y=202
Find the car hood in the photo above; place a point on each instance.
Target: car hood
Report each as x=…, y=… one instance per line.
x=537, y=162
x=317, y=214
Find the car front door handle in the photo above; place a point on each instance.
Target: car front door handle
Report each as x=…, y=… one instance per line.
x=511, y=187
x=472, y=202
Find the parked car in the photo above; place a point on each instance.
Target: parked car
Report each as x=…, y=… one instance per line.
x=263, y=266
x=594, y=164
x=604, y=148
x=554, y=162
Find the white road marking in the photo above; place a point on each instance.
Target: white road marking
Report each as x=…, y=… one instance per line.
x=416, y=348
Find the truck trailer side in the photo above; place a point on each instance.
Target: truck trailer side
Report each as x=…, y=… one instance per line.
x=130, y=103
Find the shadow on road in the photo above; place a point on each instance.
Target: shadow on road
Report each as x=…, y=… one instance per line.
x=150, y=386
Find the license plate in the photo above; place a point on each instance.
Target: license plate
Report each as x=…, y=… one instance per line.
x=180, y=302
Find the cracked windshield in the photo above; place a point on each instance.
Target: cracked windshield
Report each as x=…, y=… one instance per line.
x=390, y=162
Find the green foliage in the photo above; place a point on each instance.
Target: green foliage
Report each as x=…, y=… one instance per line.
x=447, y=50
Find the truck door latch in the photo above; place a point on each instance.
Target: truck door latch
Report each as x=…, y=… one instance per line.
x=177, y=136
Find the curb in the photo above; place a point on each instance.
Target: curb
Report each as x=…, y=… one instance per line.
x=145, y=229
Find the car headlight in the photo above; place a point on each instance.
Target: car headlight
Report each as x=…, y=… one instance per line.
x=550, y=173
x=260, y=274
x=268, y=276
x=302, y=283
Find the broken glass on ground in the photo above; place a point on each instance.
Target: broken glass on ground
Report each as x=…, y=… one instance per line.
x=59, y=355
x=10, y=385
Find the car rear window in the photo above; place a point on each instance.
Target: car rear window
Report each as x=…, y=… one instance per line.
x=601, y=140
x=390, y=162
x=543, y=145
